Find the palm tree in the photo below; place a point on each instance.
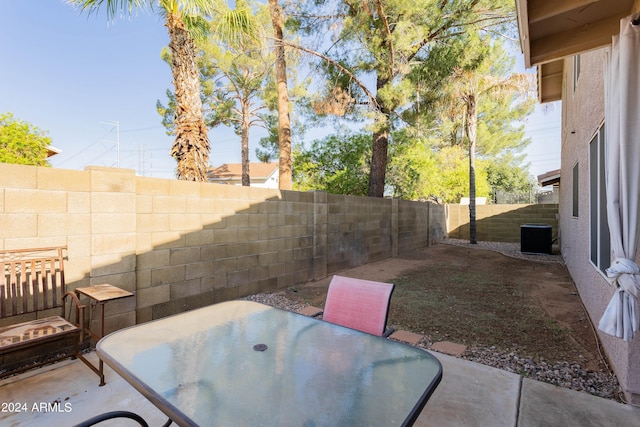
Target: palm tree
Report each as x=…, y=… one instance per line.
x=191, y=146
x=470, y=85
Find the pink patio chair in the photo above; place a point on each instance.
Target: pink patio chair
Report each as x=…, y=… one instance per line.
x=359, y=304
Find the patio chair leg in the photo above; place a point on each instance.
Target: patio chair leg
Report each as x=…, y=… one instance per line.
x=110, y=415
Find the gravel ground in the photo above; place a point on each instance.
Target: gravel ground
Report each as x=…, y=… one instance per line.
x=509, y=249
x=567, y=374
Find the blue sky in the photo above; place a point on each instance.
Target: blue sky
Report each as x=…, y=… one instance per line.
x=75, y=75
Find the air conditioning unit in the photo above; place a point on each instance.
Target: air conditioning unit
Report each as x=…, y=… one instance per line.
x=535, y=238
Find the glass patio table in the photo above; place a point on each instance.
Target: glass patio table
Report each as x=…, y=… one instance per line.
x=242, y=363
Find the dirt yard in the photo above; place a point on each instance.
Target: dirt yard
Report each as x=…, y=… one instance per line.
x=481, y=298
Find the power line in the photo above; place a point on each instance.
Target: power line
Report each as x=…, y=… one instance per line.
x=81, y=151
x=141, y=129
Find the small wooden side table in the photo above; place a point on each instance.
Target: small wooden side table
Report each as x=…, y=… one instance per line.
x=101, y=294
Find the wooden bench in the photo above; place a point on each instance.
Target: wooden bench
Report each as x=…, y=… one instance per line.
x=32, y=289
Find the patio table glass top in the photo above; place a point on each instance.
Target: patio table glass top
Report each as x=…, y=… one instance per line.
x=246, y=364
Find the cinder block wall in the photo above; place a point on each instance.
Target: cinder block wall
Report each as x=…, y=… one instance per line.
x=181, y=245
x=429, y=215
x=358, y=230
x=500, y=223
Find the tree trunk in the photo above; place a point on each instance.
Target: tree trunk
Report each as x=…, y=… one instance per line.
x=379, y=151
x=471, y=126
x=284, y=123
x=191, y=147
x=244, y=140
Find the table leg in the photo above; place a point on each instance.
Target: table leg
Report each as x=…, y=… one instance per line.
x=101, y=363
x=100, y=370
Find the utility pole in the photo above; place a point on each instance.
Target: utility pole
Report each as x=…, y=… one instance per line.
x=142, y=159
x=116, y=126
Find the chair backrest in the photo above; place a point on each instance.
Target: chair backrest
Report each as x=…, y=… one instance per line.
x=358, y=304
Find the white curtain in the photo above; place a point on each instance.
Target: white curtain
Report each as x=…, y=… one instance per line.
x=622, y=138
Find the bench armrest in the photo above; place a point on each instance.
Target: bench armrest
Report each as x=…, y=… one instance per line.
x=79, y=311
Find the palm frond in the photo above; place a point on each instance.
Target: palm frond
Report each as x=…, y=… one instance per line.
x=197, y=26
x=237, y=27
x=206, y=8
x=114, y=8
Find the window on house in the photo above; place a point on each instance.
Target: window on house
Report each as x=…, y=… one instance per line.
x=576, y=71
x=598, y=226
x=575, y=195
x=565, y=93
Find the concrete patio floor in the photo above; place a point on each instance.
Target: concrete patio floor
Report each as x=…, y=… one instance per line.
x=470, y=394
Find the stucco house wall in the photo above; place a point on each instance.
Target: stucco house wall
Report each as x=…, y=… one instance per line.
x=583, y=115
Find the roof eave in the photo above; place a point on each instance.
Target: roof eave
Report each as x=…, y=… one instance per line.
x=523, y=28
x=552, y=31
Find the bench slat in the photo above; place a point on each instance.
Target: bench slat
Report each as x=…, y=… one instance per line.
x=24, y=288
x=54, y=280
x=14, y=292
x=44, y=281
x=34, y=286
x=3, y=298
x=3, y=291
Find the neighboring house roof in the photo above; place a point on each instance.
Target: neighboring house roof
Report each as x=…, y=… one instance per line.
x=549, y=178
x=52, y=151
x=553, y=30
x=231, y=173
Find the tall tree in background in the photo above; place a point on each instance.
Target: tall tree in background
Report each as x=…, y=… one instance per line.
x=510, y=182
x=284, y=122
x=488, y=79
x=338, y=164
x=191, y=146
x=425, y=157
x=234, y=73
x=269, y=150
x=382, y=41
x=22, y=143
x=419, y=169
x=428, y=152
